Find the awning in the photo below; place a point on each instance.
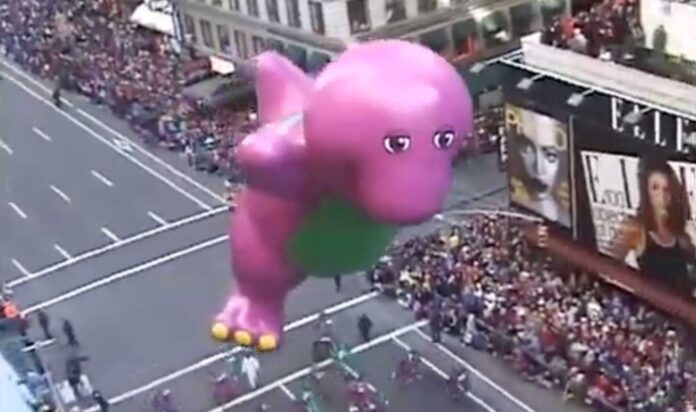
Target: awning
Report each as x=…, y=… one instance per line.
x=317, y=61
x=221, y=66
x=158, y=21
x=297, y=55
x=218, y=91
x=436, y=40
x=207, y=88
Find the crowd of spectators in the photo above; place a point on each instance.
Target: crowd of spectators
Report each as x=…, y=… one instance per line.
x=609, y=30
x=91, y=47
x=483, y=282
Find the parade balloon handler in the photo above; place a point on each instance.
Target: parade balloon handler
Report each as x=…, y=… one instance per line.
x=340, y=162
x=308, y=399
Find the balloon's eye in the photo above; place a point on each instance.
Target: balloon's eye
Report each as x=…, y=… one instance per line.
x=443, y=140
x=395, y=144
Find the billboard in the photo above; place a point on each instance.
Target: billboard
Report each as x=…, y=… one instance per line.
x=538, y=153
x=637, y=203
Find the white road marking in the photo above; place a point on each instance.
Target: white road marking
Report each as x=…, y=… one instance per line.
x=476, y=372
x=107, y=142
x=5, y=147
x=42, y=134
x=110, y=234
x=132, y=144
x=288, y=393
x=305, y=371
x=61, y=194
x=444, y=375
x=102, y=178
x=62, y=251
x=425, y=360
x=99, y=251
x=156, y=218
x=222, y=355
x=122, y=145
x=16, y=208
x=19, y=267
x=125, y=273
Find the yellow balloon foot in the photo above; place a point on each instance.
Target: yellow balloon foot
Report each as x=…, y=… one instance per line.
x=242, y=338
x=267, y=343
x=220, y=332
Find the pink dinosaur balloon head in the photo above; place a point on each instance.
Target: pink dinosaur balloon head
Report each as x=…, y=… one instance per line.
x=379, y=127
x=382, y=126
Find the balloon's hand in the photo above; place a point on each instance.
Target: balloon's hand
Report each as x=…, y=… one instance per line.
x=273, y=158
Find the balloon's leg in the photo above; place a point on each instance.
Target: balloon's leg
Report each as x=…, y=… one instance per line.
x=254, y=322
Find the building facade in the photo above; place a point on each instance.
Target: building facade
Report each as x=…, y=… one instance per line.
x=310, y=32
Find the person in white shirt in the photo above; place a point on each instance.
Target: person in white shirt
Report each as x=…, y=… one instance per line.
x=250, y=368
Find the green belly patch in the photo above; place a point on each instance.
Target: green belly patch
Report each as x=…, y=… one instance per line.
x=337, y=238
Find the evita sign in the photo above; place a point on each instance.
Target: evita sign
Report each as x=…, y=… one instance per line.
x=672, y=132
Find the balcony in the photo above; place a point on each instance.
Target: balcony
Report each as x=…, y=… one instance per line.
x=646, y=77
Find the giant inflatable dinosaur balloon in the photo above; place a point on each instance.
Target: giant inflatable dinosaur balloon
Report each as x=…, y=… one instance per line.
x=339, y=162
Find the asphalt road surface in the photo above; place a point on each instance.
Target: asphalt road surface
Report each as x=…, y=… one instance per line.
x=133, y=251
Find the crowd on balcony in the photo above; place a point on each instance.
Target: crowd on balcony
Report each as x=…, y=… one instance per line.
x=90, y=47
x=609, y=30
x=483, y=282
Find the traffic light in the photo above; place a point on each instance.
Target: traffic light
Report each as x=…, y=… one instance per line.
x=542, y=236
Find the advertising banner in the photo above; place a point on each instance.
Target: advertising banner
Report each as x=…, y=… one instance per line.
x=537, y=155
x=636, y=203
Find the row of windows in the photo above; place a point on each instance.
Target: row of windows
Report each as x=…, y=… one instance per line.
x=359, y=13
x=466, y=37
x=299, y=55
x=292, y=8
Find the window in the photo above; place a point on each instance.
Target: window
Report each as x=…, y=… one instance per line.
x=272, y=9
x=217, y=3
x=293, y=13
x=190, y=27
x=465, y=38
x=437, y=41
x=550, y=9
x=224, y=38
x=316, y=16
x=258, y=44
x=207, y=34
x=425, y=6
x=240, y=42
x=524, y=19
x=396, y=10
x=357, y=16
x=253, y=8
x=234, y=5
x=495, y=29
x=275, y=44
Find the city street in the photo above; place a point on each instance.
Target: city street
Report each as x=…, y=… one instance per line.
x=132, y=249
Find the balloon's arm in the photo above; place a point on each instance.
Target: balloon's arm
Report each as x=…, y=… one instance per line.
x=281, y=87
x=273, y=161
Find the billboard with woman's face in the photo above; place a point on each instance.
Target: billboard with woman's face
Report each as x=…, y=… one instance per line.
x=538, y=166
x=638, y=204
